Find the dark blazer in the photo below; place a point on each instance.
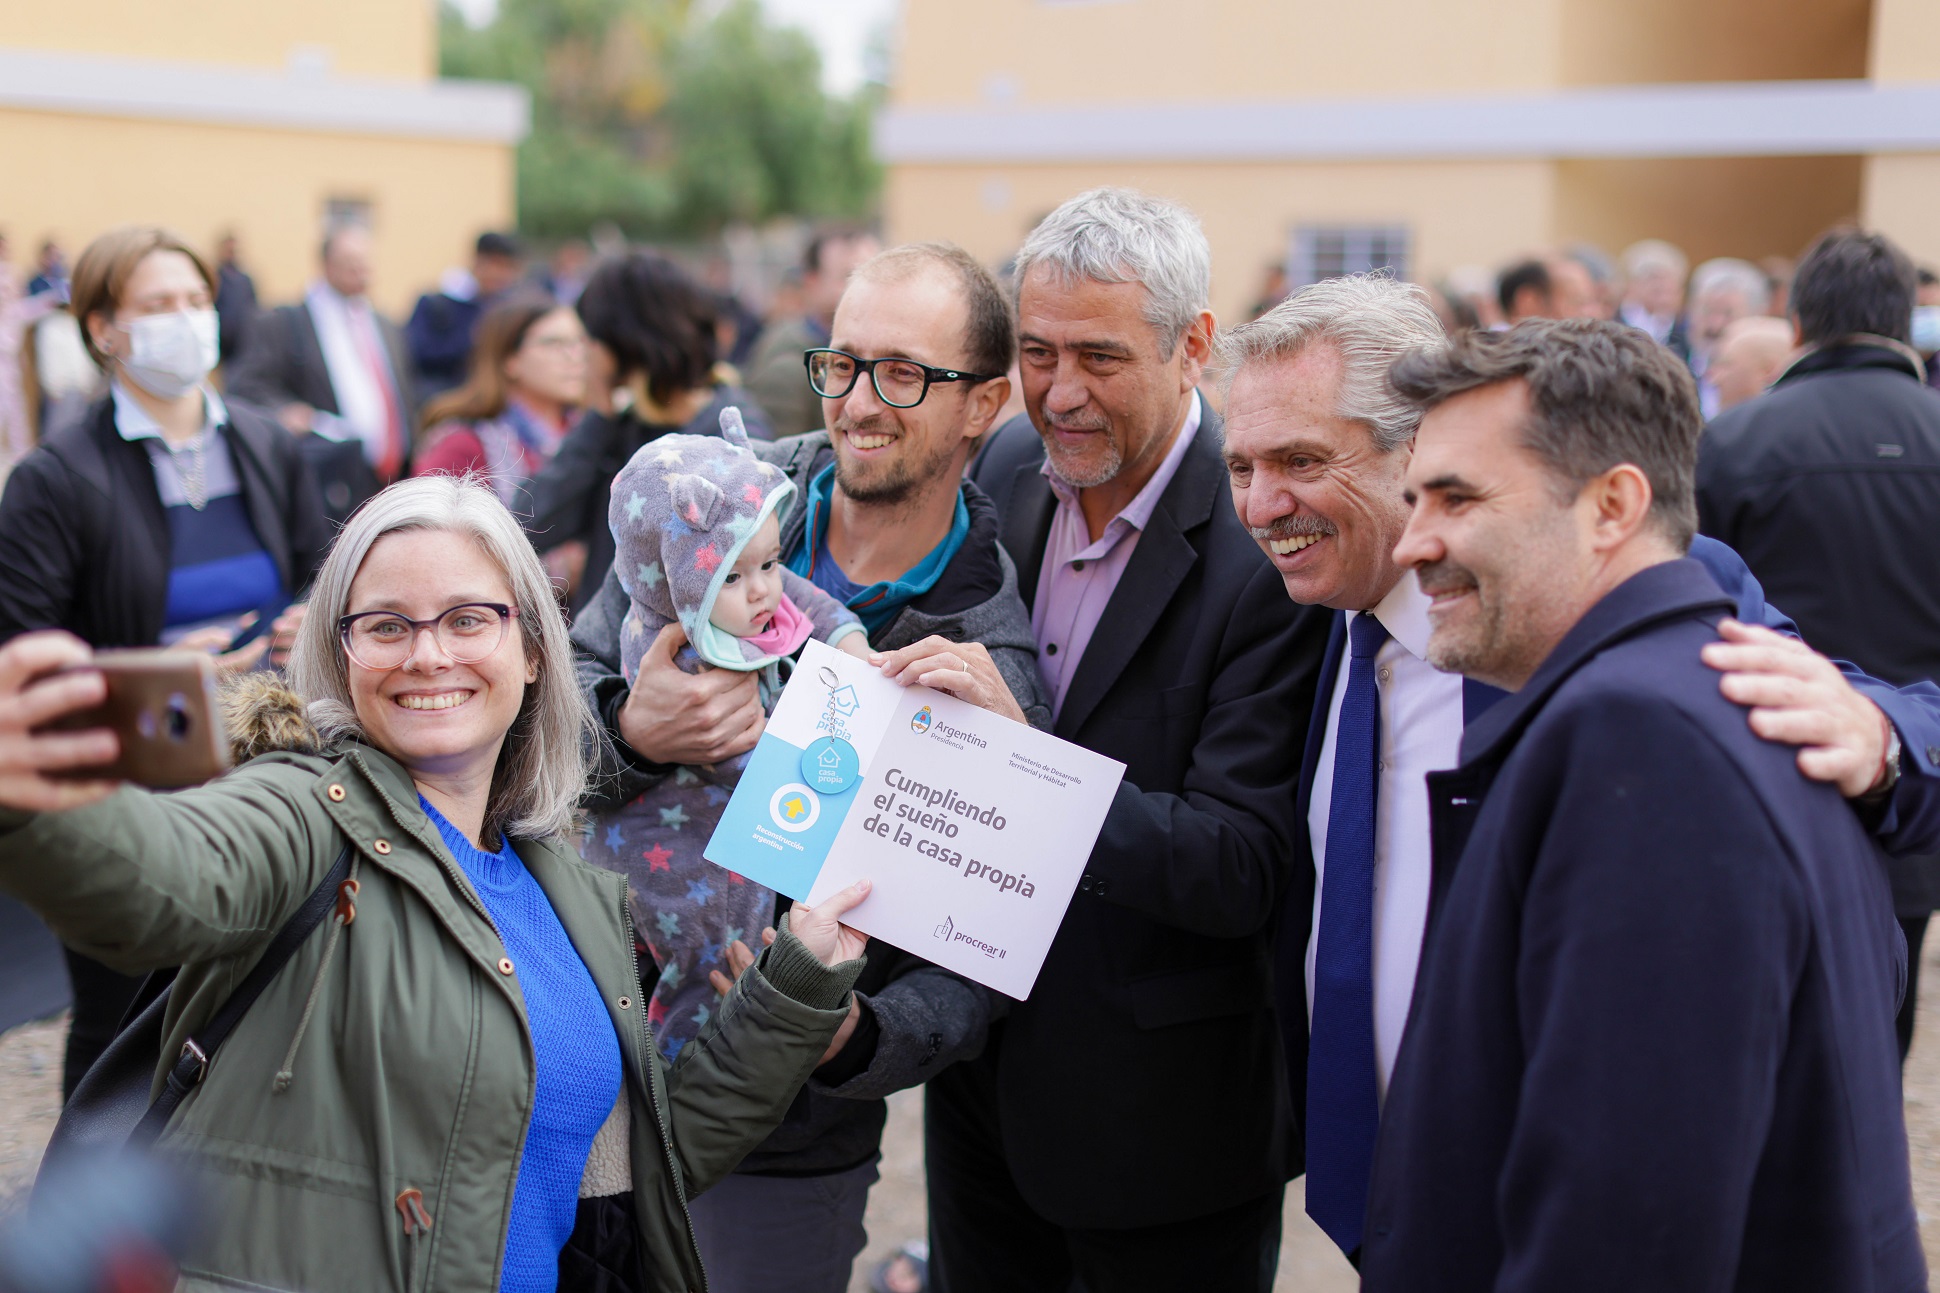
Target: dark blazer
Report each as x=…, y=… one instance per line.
x=1911, y=824
x=1142, y=1083
x=282, y=363
x=1652, y=1044
x=84, y=540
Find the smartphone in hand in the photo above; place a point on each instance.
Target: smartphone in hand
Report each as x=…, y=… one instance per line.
x=161, y=706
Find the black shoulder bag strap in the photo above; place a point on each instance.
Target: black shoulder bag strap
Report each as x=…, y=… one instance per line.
x=110, y=1106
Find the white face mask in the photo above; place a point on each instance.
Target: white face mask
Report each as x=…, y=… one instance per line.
x=170, y=354
x=1926, y=329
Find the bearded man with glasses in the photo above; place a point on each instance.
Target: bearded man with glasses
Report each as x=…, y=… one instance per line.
x=884, y=522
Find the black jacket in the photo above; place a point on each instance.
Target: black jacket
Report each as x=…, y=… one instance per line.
x=1652, y=1039
x=918, y=1018
x=1141, y=1083
x=1829, y=486
x=84, y=540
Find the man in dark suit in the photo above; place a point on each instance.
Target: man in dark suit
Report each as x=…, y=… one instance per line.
x=1128, y=1124
x=335, y=372
x=1317, y=442
x=1829, y=485
x=1652, y=1044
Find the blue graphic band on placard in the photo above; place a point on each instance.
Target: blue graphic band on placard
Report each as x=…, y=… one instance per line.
x=782, y=854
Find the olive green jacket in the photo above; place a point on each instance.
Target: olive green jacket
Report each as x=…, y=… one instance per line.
x=415, y=1069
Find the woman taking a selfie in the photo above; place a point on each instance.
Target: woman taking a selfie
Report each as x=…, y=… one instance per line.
x=164, y=515
x=452, y=1084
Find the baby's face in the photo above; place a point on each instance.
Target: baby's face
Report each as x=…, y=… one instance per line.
x=748, y=599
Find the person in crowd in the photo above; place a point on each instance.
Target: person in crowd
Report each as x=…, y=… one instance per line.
x=1653, y=293
x=1164, y=644
x=528, y=382
x=1475, y=285
x=1778, y=271
x=469, y=1064
x=1925, y=334
x=1650, y=1047
x=50, y=273
x=1723, y=291
x=165, y=515
x=1452, y=308
x=1607, y=285
x=336, y=372
x=1273, y=290
x=1828, y=486
x=1751, y=354
x=235, y=298
x=775, y=367
x=652, y=328
x=883, y=520
x=443, y=322
x=1547, y=287
x=565, y=273
x=1316, y=447
x=16, y=422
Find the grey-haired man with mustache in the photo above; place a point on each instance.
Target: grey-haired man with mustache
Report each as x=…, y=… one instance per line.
x=1317, y=444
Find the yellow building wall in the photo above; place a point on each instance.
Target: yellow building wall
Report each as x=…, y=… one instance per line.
x=1635, y=42
x=1710, y=206
x=1906, y=40
x=428, y=198
x=1460, y=213
x=382, y=38
x=998, y=52
x=1902, y=201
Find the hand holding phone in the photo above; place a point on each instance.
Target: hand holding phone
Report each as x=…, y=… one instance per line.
x=43, y=677
x=161, y=707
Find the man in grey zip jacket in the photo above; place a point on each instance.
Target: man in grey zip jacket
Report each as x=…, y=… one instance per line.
x=953, y=589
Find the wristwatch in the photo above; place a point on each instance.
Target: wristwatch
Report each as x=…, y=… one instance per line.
x=1889, y=767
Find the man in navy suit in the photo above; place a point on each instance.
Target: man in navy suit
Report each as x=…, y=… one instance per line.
x=1317, y=442
x=1652, y=1047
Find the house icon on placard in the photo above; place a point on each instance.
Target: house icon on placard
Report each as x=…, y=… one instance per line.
x=843, y=700
x=830, y=759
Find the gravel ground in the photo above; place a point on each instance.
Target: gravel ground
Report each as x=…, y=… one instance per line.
x=30, y=1069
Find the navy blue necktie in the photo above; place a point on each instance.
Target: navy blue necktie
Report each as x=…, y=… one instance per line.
x=1343, y=1105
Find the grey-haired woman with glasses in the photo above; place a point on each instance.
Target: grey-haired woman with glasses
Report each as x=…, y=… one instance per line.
x=454, y=1086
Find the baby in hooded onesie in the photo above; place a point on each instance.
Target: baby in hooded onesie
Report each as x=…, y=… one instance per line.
x=697, y=534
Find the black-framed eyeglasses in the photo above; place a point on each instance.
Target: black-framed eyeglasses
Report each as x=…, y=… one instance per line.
x=899, y=383
x=383, y=640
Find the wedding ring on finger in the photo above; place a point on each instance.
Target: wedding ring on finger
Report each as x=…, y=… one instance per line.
x=963, y=664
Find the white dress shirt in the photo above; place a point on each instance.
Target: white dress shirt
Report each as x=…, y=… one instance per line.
x=362, y=412
x=1421, y=732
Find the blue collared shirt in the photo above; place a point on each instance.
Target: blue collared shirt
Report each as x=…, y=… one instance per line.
x=877, y=604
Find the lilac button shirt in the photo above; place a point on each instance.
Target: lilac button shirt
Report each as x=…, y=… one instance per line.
x=1078, y=576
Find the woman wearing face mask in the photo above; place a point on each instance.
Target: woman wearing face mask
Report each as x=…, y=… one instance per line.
x=165, y=516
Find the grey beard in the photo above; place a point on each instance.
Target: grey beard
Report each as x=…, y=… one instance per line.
x=1108, y=468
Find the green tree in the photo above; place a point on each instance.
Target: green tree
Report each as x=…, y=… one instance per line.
x=668, y=121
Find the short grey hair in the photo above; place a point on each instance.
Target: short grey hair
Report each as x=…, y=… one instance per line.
x=1654, y=253
x=1735, y=275
x=1114, y=235
x=543, y=768
x=1370, y=319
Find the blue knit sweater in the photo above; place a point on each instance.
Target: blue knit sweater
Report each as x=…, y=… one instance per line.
x=574, y=1049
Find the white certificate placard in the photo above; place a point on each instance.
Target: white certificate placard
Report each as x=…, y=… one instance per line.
x=974, y=830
